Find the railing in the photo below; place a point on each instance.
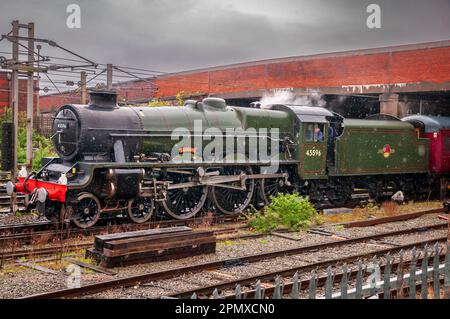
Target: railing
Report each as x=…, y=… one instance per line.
x=425, y=274
x=43, y=124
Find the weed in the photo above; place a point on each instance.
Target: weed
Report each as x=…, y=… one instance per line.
x=228, y=242
x=285, y=210
x=390, y=208
x=42, y=145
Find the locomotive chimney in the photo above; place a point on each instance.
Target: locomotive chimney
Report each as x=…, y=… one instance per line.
x=104, y=99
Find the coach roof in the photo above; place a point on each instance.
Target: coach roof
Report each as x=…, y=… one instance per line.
x=432, y=123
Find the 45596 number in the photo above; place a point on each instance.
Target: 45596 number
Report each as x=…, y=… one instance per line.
x=313, y=152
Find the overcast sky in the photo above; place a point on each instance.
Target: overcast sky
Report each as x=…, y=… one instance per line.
x=175, y=35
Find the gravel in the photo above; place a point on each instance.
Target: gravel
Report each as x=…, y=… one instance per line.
x=11, y=219
x=190, y=281
x=18, y=281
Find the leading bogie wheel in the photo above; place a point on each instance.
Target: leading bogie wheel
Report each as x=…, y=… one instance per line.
x=87, y=211
x=140, y=209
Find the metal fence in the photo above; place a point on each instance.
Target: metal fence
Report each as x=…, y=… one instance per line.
x=43, y=124
x=420, y=273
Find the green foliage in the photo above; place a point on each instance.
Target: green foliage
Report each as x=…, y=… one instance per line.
x=371, y=207
x=285, y=210
x=180, y=98
x=42, y=146
x=158, y=102
x=228, y=242
x=6, y=117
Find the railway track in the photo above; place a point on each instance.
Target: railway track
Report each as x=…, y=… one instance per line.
x=390, y=219
x=26, y=234
x=5, y=199
x=267, y=279
x=62, y=247
x=249, y=259
x=29, y=233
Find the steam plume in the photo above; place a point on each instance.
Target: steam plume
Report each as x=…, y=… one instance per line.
x=287, y=97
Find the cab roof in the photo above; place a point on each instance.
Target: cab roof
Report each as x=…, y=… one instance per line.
x=314, y=114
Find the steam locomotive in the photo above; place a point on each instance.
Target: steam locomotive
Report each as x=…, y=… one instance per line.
x=115, y=159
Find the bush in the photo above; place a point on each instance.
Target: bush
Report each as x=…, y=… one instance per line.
x=285, y=210
x=42, y=146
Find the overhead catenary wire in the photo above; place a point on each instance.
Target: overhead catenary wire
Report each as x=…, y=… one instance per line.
x=147, y=71
x=152, y=77
x=149, y=76
x=137, y=77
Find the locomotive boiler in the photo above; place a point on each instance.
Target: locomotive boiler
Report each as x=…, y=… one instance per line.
x=137, y=160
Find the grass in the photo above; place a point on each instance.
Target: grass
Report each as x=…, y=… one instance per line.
x=372, y=210
x=11, y=269
x=229, y=243
x=390, y=208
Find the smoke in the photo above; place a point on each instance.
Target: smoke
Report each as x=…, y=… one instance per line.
x=287, y=97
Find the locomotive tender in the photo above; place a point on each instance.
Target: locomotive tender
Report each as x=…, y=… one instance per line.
x=115, y=159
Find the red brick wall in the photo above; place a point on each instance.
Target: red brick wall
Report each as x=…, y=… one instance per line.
x=4, y=91
x=134, y=91
x=5, y=95
x=422, y=63
x=50, y=103
x=127, y=91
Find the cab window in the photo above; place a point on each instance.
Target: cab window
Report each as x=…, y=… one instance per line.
x=314, y=132
x=309, y=132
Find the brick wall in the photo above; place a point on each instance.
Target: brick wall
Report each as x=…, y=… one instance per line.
x=50, y=103
x=5, y=93
x=413, y=65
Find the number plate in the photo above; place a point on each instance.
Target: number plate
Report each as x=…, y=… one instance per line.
x=314, y=152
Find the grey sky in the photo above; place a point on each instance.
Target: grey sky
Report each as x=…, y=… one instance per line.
x=175, y=35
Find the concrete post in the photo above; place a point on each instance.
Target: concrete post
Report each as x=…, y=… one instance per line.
x=15, y=108
x=30, y=98
x=109, y=76
x=83, y=88
x=389, y=104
